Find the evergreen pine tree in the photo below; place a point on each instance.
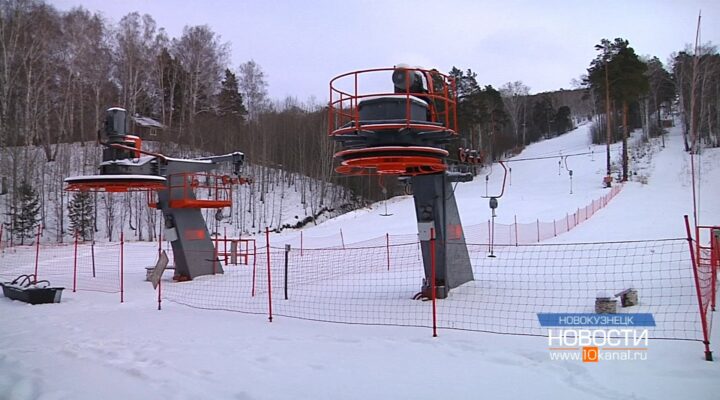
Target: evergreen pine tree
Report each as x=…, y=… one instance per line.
x=24, y=212
x=230, y=99
x=80, y=212
x=626, y=78
x=563, y=120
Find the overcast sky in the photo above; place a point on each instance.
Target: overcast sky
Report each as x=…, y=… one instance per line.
x=301, y=45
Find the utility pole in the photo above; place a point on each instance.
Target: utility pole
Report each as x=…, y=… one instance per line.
x=607, y=113
x=693, y=124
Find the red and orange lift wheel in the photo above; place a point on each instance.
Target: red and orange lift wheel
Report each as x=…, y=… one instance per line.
x=391, y=160
x=115, y=183
x=408, y=142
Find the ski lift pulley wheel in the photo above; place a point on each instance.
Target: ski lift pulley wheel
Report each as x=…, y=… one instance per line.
x=115, y=183
x=392, y=160
x=493, y=203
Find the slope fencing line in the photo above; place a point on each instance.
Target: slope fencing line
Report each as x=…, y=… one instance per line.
x=375, y=285
x=512, y=234
x=78, y=267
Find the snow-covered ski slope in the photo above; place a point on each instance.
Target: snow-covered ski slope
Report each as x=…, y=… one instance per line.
x=539, y=189
x=91, y=347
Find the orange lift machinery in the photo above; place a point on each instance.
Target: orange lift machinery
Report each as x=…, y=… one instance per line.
x=178, y=182
x=403, y=131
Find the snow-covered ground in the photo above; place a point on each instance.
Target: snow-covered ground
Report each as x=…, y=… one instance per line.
x=540, y=190
x=90, y=346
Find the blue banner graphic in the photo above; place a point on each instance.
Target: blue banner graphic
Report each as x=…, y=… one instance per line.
x=584, y=320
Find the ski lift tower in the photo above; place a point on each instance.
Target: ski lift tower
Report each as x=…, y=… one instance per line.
x=403, y=132
x=183, y=186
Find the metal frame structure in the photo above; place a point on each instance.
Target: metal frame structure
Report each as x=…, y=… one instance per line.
x=126, y=167
x=419, y=115
x=403, y=133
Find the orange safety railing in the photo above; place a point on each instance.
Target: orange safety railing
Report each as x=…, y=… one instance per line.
x=349, y=89
x=137, y=144
x=199, y=190
x=229, y=250
x=707, y=254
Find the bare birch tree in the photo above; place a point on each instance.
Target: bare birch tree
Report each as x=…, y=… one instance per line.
x=514, y=96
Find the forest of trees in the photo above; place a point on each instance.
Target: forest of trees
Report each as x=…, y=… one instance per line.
x=636, y=92
x=59, y=71
x=498, y=123
x=699, y=71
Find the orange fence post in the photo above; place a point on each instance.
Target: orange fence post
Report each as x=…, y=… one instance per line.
x=267, y=246
x=122, y=266
x=254, y=268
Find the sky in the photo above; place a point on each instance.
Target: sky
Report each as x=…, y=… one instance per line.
x=301, y=45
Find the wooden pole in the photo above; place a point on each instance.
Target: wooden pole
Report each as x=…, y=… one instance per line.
x=75, y=264
x=269, y=279
x=387, y=249
x=433, y=284
x=37, y=252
